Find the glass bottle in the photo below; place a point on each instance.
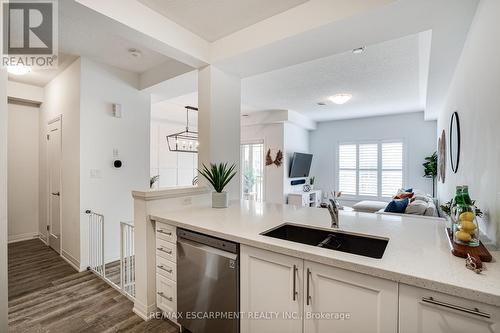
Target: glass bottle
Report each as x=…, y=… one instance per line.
x=465, y=195
x=455, y=203
x=466, y=231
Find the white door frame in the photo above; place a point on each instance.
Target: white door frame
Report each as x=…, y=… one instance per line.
x=51, y=121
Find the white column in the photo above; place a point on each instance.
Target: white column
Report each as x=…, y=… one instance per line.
x=219, y=115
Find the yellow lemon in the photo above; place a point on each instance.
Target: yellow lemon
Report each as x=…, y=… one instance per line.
x=467, y=216
x=463, y=236
x=468, y=226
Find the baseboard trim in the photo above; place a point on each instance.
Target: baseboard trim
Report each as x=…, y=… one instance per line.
x=144, y=311
x=71, y=260
x=22, y=237
x=43, y=238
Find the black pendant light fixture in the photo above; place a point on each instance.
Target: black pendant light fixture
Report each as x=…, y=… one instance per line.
x=186, y=141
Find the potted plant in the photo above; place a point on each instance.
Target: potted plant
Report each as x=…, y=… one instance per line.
x=430, y=170
x=311, y=181
x=219, y=175
x=153, y=180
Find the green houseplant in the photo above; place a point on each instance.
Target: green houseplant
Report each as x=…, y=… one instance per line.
x=219, y=175
x=430, y=170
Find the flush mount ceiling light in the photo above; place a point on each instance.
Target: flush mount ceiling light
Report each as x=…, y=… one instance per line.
x=135, y=53
x=359, y=50
x=19, y=70
x=340, y=98
x=187, y=141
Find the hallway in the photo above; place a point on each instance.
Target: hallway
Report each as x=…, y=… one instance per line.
x=47, y=295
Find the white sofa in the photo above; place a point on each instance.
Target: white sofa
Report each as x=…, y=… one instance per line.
x=423, y=205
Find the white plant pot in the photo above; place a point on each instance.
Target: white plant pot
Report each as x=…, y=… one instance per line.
x=220, y=200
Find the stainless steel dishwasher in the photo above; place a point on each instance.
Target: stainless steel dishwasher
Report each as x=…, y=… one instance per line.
x=207, y=283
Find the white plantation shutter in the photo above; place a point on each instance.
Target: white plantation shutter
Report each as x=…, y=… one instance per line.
x=392, y=168
x=370, y=169
x=347, y=168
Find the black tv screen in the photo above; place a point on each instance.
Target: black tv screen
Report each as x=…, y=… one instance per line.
x=301, y=164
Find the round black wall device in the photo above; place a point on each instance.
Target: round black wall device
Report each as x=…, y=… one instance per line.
x=117, y=164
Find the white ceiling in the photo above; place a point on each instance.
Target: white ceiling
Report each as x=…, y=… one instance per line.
x=385, y=79
x=41, y=77
x=83, y=32
x=173, y=110
x=214, y=19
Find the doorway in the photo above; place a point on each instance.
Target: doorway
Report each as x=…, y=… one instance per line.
x=54, y=145
x=252, y=175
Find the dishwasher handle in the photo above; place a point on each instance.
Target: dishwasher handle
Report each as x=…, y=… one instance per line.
x=206, y=248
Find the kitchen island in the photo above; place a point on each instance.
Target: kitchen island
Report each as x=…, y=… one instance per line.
x=417, y=272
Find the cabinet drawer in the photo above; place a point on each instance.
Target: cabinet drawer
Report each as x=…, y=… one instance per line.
x=422, y=311
x=166, y=268
x=165, y=232
x=166, y=250
x=166, y=294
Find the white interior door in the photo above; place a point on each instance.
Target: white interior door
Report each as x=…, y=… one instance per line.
x=54, y=173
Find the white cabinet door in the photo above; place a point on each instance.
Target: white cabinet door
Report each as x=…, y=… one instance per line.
x=272, y=287
x=344, y=301
x=422, y=310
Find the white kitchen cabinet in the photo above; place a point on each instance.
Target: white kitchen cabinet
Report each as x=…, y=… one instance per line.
x=422, y=311
x=271, y=284
x=351, y=302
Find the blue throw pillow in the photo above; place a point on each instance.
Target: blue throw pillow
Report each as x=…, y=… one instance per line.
x=397, y=206
x=410, y=190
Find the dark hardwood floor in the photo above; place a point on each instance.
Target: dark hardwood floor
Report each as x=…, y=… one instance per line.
x=47, y=295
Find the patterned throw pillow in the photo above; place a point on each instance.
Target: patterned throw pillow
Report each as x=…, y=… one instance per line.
x=404, y=195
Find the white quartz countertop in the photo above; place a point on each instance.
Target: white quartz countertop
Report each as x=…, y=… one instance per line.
x=417, y=253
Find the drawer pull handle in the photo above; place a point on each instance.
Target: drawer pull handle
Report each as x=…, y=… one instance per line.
x=163, y=268
x=168, y=298
x=163, y=250
x=474, y=311
x=161, y=231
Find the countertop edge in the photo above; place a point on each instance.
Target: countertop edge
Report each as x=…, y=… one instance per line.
x=433, y=285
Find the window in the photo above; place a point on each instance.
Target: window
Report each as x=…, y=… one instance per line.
x=371, y=169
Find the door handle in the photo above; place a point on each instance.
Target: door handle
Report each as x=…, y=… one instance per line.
x=161, y=231
x=294, y=292
x=56, y=194
x=308, y=294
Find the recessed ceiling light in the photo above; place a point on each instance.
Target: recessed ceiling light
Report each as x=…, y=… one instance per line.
x=135, y=53
x=340, y=98
x=19, y=70
x=359, y=50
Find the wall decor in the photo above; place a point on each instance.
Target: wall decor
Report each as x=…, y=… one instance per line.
x=442, y=157
x=455, y=141
x=278, y=161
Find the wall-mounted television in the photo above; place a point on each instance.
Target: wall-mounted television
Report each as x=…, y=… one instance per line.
x=301, y=164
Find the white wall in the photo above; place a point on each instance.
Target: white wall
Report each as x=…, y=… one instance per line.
x=101, y=133
x=419, y=137
x=272, y=136
x=474, y=94
x=23, y=196
x=3, y=197
x=296, y=139
x=62, y=97
x=174, y=168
